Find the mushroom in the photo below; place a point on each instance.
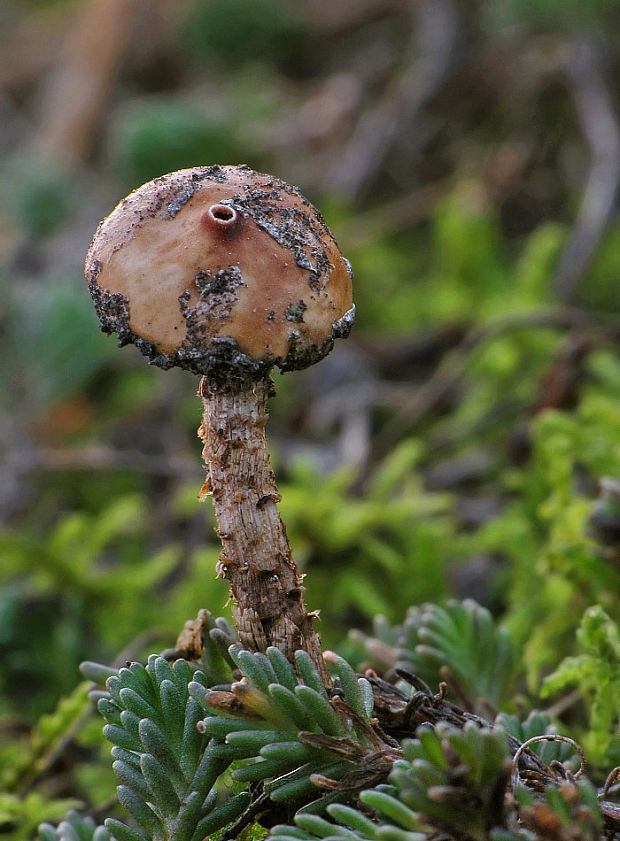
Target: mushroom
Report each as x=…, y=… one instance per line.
x=227, y=272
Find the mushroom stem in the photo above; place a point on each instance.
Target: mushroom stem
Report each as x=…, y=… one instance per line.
x=266, y=585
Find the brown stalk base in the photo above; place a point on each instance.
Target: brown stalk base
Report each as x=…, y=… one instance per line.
x=266, y=586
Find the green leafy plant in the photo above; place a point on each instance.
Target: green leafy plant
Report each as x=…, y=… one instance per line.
x=363, y=759
x=538, y=724
x=303, y=738
x=75, y=586
x=74, y=828
x=569, y=811
x=480, y=400
x=167, y=776
x=162, y=136
x=460, y=644
x=23, y=762
x=454, y=777
x=396, y=530
x=557, y=569
x=327, y=760
x=596, y=671
x=453, y=780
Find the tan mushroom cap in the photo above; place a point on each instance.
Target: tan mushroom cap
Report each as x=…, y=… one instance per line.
x=210, y=254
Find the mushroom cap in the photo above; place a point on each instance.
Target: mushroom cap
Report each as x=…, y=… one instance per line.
x=220, y=270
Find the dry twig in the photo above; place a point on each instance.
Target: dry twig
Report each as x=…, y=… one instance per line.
x=432, y=49
x=595, y=110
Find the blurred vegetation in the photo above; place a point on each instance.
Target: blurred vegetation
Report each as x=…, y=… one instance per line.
x=465, y=442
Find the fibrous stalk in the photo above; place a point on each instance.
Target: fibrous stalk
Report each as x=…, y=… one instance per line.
x=266, y=586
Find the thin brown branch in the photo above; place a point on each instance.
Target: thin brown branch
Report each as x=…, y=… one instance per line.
x=76, y=93
x=595, y=109
x=97, y=458
x=434, y=31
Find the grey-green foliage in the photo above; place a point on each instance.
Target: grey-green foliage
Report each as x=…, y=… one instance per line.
x=462, y=644
x=287, y=728
x=352, y=824
x=321, y=753
x=452, y=781
x=74, y=828
x=449, y=778
x=538, y=724
x=459, y=643
x=290, y=731
x=213, y=636
x=167, y=777
x=455, y=778
x=567, y=811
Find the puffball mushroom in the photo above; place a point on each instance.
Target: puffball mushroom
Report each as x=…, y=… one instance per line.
x=227, y=272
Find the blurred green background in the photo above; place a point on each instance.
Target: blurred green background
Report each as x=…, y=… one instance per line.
x=466, y=156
